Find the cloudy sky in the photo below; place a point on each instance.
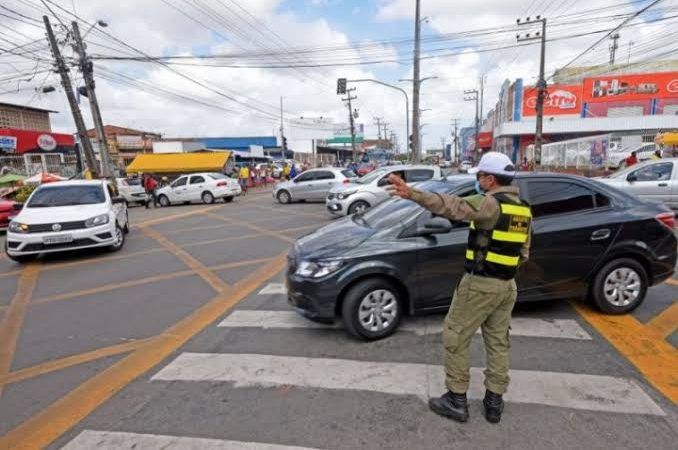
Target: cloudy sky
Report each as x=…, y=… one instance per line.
x=236, y=58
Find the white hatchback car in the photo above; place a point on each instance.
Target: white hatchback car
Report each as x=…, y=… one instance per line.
x=196, y=187
x=68, y=215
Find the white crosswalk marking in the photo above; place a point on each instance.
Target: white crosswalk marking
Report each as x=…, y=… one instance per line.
x=104, y=440
x=568, y=390
x=274, y=289
x=556, y=328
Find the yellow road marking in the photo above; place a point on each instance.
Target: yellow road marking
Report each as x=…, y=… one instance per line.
x=14, y=318
x=293, y=212
x=113, y=286
x=193, y=212
x=641, y=345
x=671, y=281
x=666, y=322
x=256, y=228
x=50, y=423
x=73, y=360
x=9, y=274
x=97, y=259
x=191, y=230
x=199, y=268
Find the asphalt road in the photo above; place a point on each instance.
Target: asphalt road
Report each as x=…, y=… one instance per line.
x=184, y=340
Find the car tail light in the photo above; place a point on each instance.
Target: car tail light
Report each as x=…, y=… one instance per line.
x=668, y=219
x=346, y=181
x=222, y=184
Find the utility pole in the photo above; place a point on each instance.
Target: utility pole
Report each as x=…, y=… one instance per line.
x=385, y=126
x=349, y=98
x=471, y=95
x=378, y=121
x=614, y=47
x=482, y=95
x=456, y=139
x=87, y=69
x=416, y=84
x=75, y=109
x=628, y=58
x=541, y=84
x=283, y=140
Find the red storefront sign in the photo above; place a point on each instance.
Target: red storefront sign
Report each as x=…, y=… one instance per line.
x=485, y=139
x=18, y=142
x=561, y=99
x=631, y=87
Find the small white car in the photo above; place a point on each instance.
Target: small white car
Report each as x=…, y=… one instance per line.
x=196, y=187
x=68, y=215
x=368, y=191
x=132, y=190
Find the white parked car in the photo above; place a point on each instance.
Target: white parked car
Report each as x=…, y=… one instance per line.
x=132, y=190
x=196, y=187
x=68, y=215
x=369, y=191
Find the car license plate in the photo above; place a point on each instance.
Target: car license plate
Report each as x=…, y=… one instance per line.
x=62, y=239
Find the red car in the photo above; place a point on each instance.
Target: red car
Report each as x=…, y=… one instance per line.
x=7, y=210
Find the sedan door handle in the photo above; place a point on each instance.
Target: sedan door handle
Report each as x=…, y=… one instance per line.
x=600, y=234
x=663, y=185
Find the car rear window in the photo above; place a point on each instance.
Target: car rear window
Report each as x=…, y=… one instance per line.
x=54, y=196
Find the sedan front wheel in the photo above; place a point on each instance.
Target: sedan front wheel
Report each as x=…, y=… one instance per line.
x=620, y=286
x=372, y=309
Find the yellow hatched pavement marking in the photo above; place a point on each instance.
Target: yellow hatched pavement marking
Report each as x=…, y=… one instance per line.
x=10, y=328
x=643, y=346
x=256, y=228
x=49, y=424
x=666, y=322
x=671, y=281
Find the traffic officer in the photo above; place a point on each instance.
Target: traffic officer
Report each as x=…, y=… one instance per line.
x=498, y=242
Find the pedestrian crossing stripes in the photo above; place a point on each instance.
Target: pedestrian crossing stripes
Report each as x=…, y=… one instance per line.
x=557, y=389
x=105, y=440
x=552, y=328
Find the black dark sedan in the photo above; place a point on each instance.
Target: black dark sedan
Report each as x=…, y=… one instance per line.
x=589, y=241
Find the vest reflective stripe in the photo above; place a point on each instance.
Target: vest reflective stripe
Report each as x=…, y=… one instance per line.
x=496, y=258
x=508, y=236
x=516, y=210
x=473, y=225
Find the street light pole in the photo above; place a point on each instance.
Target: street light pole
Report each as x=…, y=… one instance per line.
x=471, y=95
x=407, y=99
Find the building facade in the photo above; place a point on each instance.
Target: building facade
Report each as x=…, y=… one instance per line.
x=24, y=117
x=124, y=144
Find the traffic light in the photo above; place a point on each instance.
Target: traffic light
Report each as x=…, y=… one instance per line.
x=411, y=143
x=284, y=143
x=82, y=90
x=341, y=86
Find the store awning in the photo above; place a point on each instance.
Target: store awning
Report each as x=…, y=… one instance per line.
x=667, y=139
x=179, y=162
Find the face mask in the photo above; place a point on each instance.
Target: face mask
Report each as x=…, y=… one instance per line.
x=479, y=190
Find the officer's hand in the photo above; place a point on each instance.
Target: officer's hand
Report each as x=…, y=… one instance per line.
x=398, y=187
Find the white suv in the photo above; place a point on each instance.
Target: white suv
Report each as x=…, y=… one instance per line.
x=68, y=215
x=196, y=187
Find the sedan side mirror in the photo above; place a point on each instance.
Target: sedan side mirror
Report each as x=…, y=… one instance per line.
x=118, y=199
x=632, y=177
x=18, y=206
x=436, y=225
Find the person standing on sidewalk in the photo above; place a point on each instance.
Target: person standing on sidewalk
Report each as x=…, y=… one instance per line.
x=150, y=186
x=499, y=239
x=244, y=176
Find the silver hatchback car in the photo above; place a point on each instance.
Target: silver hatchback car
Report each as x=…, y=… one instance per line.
x=649, y=180
x=312, y=185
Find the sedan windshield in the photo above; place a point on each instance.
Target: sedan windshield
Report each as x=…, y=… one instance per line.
x=53, y=196
x=397, y=210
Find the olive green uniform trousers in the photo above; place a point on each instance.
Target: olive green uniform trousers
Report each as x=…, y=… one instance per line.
x=486, y=303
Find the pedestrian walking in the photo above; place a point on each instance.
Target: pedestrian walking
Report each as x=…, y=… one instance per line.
x=244, y=176
x=498, y=242
x=150, y=186
x=656, y=155
x=287, y=170
x=631, y=160
x=293, y=171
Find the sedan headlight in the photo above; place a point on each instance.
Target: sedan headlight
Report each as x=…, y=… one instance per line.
x=16, y=227
x=317, y=269
x=345, y=195
x=97, y=221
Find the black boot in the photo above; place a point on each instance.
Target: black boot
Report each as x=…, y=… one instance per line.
x=450, y=405
x=494, y=406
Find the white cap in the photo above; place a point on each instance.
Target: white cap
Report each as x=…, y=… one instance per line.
x=495, y=163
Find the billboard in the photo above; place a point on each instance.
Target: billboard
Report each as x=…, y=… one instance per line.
x=13, y=141
x=631, y=87
x=560, y=100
